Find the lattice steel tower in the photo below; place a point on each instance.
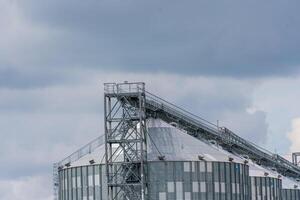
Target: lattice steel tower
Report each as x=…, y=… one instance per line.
x=125, y=141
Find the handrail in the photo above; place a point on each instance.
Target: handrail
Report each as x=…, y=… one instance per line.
x=153, y=96
x=222, y=133
x=86, y=149
x=117, y=88
x=212, y=127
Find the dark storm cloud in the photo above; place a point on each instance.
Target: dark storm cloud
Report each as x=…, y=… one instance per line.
x=227, y=38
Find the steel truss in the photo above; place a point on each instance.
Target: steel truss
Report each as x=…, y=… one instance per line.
x=125, y=141
x=202, y=129
x=55, y=181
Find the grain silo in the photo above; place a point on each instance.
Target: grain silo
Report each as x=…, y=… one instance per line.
x=290, y=189
x=155, y=150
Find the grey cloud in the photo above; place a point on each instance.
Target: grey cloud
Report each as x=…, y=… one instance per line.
x=52, y=99
x=13, y=78
x=239, y=39
x=59, y=119
x=33, y=142
x=252, y=126
x=226, y=101
x=50, y=103
x=36, y=187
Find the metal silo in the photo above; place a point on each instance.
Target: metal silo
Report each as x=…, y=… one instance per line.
x=290, y=189
x=154, y=150
x=179, y=167
x=265, y=183
x=191, y=168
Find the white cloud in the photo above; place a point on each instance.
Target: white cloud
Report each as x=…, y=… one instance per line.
x=26, y=188
x=21, y=41
x=279, y=98
x=294, y=136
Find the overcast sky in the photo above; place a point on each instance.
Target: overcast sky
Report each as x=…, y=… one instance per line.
x=233, y=61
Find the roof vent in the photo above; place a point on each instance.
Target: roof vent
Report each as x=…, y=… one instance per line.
x=213, y=142
x=161, y=157
x=201, y=157
x=279, y=176
x=295, y=186
x=92, y=161
x=174, y=124
x=68, y=164
x=266, y=174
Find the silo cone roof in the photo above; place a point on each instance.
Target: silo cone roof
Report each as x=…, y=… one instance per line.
x=98, y=155
x=290, y=183
x=172, y=143
x=176, y=145
x=260, y=171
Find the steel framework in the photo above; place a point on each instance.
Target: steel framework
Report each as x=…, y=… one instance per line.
x=125, y=140
x=55, y=181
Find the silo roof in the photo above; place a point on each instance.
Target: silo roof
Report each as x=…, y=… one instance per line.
x=172, y=143
x=290, y=183
x=261, y=171
x=176, y=145
x=98, y=156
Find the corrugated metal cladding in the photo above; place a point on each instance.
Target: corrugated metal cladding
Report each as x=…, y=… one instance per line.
x=265, y=188
x=168, y=180
x=290, y=194
x=180, y=180
x=198, y=180
x=82, y=183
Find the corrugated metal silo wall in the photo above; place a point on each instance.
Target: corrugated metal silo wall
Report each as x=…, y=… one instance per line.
x=198, y=180
x=290, y=194
x=83, y=183
x=172, y=180
x=265, y=188
x=167, y=180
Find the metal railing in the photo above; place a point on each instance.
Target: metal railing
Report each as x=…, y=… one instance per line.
x=117, y=88
x=223, y=135
x=86, y=149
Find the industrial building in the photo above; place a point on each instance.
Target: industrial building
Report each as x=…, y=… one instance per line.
x=152, y=149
